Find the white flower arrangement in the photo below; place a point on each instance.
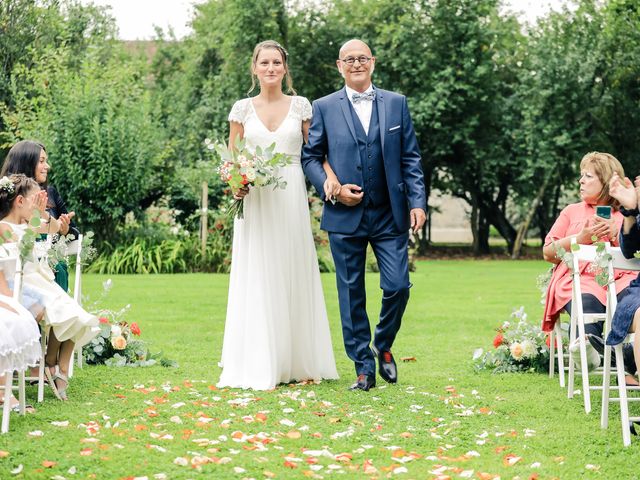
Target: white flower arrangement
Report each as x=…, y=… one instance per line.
x=518, y=346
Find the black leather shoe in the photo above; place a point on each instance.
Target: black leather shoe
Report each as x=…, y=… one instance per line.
x=364, y=382
x=387, y=366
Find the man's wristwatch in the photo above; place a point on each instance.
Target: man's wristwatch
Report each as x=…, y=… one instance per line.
x=633, y=212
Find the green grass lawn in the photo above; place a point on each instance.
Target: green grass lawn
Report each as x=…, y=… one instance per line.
x=440, y=419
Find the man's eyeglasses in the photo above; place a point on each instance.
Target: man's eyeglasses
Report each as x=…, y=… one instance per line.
x=362, y=60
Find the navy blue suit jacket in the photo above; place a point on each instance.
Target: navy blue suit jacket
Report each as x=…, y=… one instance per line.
x=332, y=135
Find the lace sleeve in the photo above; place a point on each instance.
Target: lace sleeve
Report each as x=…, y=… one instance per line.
x=238, y=112
x=306, y=109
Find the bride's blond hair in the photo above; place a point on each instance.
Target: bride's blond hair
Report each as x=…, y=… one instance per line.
x=271, y=44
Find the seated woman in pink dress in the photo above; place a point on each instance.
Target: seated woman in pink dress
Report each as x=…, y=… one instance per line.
x=579, y=220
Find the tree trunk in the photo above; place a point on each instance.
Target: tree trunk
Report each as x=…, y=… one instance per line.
x=524, y=226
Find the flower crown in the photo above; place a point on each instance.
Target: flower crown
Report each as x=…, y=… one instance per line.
x=6, y=185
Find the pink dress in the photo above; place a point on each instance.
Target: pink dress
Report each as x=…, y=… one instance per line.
x=570, y=222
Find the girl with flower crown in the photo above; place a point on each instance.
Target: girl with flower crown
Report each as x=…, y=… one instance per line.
x=69, y=324
x=20, y=339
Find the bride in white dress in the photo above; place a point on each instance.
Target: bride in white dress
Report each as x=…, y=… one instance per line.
x=276, y=329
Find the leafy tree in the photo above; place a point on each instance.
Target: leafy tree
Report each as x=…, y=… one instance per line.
x=97, y=124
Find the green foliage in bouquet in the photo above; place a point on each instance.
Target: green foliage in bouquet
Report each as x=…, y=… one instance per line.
x=239, y=167
x=518, y=345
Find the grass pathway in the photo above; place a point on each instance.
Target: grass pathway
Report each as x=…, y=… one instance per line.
x=441, y=421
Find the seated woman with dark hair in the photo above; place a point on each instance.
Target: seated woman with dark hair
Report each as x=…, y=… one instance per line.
x=30, y=158
x=627, y=316
x=579, y=221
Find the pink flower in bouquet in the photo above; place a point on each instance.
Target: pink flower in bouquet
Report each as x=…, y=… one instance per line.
x=119, y=343
x=103, y=320
x=498, y=340
x=135, y=329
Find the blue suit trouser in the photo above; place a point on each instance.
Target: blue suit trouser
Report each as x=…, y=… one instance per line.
x=349, y=251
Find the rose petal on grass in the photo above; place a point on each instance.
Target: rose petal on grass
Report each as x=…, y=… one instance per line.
x=3, y=454
x=17, y=470
x=181, y=461
x=510, y=460
x=36, y=434
x=408, y=359
x=294, y=435
x=594, y=468
x=48, y=463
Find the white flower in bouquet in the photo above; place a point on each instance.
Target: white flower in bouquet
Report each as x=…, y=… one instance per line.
x=529, y=349
x=116, y=331
x=516, y=350
x=251, y=174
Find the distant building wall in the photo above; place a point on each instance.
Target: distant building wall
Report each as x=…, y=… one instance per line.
x=450, y=224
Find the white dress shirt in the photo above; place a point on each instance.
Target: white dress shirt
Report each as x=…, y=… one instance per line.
x=363, y=109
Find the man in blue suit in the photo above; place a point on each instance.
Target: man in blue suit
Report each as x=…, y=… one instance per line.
x=366, y=135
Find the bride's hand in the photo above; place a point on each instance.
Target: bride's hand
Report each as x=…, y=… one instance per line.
x=240, y=194
x=331, y=189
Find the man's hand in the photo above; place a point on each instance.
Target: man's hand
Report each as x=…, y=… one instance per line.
x=350, y=195
x=418, y=217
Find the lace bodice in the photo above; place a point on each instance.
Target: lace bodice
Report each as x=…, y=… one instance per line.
x=288, y=136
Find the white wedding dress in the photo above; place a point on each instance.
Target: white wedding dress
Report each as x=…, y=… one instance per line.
x=276, y=329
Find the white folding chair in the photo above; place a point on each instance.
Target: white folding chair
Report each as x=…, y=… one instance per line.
x=618, y=262
x=74, y=248
x=584, y=253
x=9, y=266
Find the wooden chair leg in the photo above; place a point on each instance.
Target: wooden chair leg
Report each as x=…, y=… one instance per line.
x=43, y=346
x=560, y=350
x=606, y=387
x=552, y=352
x=6, y=408
x=21, y=393
x=572, y=363
x=622, y=394
x=586, y=390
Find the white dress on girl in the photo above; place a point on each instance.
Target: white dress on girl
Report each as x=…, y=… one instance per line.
x=277, y=328
x=68, y=320
x=19, y=338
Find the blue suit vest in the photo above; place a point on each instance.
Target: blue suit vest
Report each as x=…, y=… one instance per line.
x=374, y=178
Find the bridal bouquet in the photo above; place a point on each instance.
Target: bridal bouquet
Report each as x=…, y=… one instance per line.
x=518, y=346
x=240, y=167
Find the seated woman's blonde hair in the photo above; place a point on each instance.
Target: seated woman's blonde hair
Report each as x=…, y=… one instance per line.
x=604, y=166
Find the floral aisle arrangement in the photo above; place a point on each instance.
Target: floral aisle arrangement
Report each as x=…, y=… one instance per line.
x=518, y=346
x=240, y=167
x=119, y=344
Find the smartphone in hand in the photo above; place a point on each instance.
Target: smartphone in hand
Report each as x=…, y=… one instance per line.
x=603, y=211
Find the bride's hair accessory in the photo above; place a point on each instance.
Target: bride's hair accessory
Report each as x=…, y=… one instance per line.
x=6, y=185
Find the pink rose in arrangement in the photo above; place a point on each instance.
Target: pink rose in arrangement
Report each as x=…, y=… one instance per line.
x=498, y=340
x=103, y=320
x=135, y=329
x=119, y=342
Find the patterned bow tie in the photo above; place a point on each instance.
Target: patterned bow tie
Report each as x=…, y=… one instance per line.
x=367, y=96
